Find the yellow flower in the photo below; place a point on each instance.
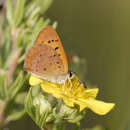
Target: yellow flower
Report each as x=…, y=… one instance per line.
x=75, y=94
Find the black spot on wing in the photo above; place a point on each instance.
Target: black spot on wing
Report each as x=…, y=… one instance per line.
x=56, y=40
x=56, y=48
x=49, y=41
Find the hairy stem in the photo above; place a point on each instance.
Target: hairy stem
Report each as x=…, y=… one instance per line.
x=16, y=53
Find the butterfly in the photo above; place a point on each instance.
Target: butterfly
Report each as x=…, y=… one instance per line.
x=47, y=58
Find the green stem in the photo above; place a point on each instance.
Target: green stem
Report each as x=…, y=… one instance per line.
x=2, y=114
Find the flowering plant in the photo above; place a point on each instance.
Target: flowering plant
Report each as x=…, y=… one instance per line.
x=75, y=94
x=76, y=98
x=46, y=102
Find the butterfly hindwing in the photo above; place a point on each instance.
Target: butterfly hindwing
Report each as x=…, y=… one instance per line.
x=42, y=60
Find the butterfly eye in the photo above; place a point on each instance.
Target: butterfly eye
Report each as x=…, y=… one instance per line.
x=70, y=74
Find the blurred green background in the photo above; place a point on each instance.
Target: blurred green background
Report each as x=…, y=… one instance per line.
x=98, y=30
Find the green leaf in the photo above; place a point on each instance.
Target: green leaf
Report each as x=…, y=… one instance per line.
x=15, y=115
x=29, y=108
x=76, y=117
x=29, y=8
x=6, y=47
x=19, y=12
x=17, y=85
x=38, y=107
x=55, y=24
x=13, y=55
x=37, y=115
x=46, y=22
x=23, y=38
x=19, y=99
x=34, y=14
x=43, y=118
x=43, y=110
x=3, y=85
x=44, y=5
x=5, y=51
x=10, y=12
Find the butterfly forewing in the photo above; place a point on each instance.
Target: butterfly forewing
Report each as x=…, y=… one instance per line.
x=50, y=37
x=47, y=56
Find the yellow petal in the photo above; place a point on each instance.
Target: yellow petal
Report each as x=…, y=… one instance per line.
x=34, y=80
x=92, y=92
x=81, y=104
x=99, y=107
x=68, y=101
x=51, y=88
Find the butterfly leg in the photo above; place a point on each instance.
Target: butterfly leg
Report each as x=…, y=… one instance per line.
x=69, y=79
x=64, y=84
